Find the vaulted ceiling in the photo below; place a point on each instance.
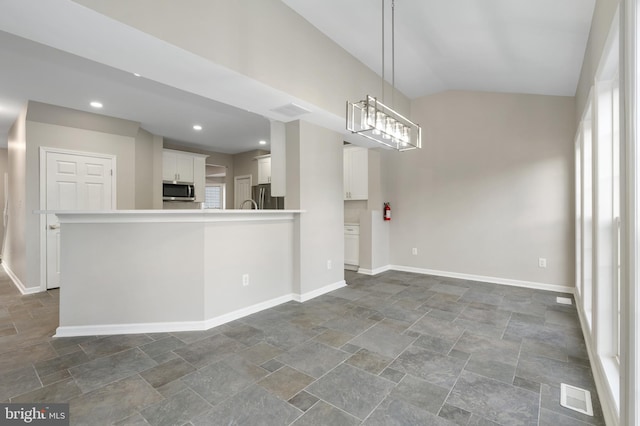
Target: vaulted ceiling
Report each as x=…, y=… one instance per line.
x=486, y=45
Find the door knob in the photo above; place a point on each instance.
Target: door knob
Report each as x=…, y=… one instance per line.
x=54, y=226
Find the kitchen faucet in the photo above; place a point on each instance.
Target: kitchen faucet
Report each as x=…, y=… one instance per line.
x=255, y=205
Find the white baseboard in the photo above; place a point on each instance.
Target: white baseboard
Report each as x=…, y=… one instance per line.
x=18, y=283
x=375, y=271
x=319, y=292
x=165, y=327
x=485, y=279
x=605, y=392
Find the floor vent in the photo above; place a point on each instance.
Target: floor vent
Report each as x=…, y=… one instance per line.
x=564, y=300
x=576, y=399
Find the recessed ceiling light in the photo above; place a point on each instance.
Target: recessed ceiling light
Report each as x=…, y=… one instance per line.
x=262, y=142
x=197, y=127
x=136, y=74
x=96, y=104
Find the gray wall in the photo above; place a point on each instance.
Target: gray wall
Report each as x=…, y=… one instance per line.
x=490, y=191
x=314, y=184
x=233, y=35
x=146, y=197
x=4, y=157
x=602, y=18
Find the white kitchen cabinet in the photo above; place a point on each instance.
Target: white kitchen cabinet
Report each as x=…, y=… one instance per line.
x=264, y=169
x=199, y=179
x=356, y=173
x=177, y=166
x=352, y=244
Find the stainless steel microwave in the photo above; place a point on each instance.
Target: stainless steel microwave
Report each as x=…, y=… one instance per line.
x=178, y=192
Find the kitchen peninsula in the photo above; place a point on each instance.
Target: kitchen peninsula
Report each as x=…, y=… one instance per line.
x=144, y=271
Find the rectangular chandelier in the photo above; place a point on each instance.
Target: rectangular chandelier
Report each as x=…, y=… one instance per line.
x=376, y=121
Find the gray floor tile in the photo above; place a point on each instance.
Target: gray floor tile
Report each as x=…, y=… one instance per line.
x=99, y=372
x=550, y=371
x=536, y=332
x=162, y=346
x=486, y=365
x=59, y=392
x=245, y=334
x=313, y=358
x=333, y=338
x=445, y=302
x=480, y=328
x=392, y=375
x=303, y=401
x=437, y=328
x=24, y=357
x=550, y=418
x=113, y=402
x=435, y=344
x=494, y=318
x=322, y=414
x=535, y=347
x=286, y=382
x=383, y=340
x=260, y=353
x=454, y=414
x=175, y=410
x=113, y=344
x=50, y=366
x=396, y=412
x=252, y=406
x=135, y=420
x=351, y=390
x=369, y=361
x=18, y=382
x=497, y=349
x=448, y=289
x=167, y=372
x=216, y=382
x=435, y=368
x=209, y=350
x=420, y=393
x=496, y=401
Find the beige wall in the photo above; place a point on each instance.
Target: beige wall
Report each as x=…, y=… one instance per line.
x=245, y=163
x=490, y=191
x=264, y=40
x=602, y=19
x=146, y=197
x=314, y=184
x=4, y=157
x=14, y=256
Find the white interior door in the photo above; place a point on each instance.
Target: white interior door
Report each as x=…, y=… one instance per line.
x=242, y=190
x=73, y=182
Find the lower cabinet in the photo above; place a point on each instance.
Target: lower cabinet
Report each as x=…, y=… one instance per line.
x=352, y=244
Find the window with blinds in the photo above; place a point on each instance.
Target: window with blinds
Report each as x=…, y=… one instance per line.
x=214, y=197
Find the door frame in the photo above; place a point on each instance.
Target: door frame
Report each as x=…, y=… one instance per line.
x=43, y=198
x=235, y=186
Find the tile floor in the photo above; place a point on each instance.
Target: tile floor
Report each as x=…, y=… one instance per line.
x=395, y=349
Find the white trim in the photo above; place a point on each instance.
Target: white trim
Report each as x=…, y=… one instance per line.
x=159, y=327
x=605, y=392
x=374, y=271
x=16, y=281
x=319, y=292
x=485, y=279
x=43, y=197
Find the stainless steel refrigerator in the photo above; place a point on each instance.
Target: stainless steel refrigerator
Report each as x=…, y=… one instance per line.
x=261, y=194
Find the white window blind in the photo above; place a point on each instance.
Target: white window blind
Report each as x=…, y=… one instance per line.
x=213, y=195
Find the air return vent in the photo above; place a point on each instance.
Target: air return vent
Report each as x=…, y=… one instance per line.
x=563, y=300
x=291, y=110
x=576, y=399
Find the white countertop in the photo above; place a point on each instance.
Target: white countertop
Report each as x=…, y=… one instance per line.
x=180, y=215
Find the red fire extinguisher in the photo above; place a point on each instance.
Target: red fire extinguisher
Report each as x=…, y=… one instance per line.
x=387, y=211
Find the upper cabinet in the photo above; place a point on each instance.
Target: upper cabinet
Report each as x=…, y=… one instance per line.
x=264, y=169
x=356, y=173
x=185, y=167
x=177, y=166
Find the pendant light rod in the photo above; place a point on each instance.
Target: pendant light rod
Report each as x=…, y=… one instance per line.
x=383, y=51
x=393, y=51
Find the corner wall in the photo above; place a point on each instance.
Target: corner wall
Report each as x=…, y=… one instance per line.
x=314, y=184
x=491, y=190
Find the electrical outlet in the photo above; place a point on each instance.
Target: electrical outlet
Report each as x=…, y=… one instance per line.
x=245, y=280
x=414, y=251
x=542, y=262
x=329, y=264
